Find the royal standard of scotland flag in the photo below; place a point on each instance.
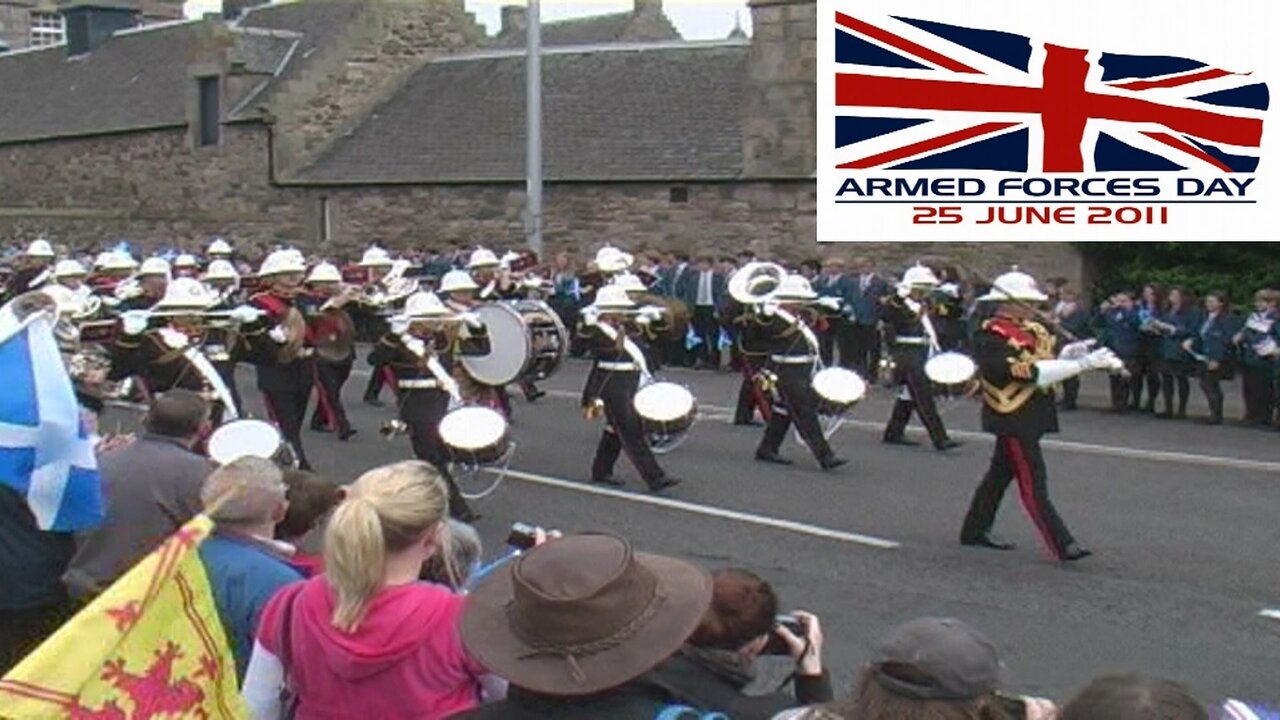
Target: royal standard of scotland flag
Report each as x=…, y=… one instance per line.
x=46, y=452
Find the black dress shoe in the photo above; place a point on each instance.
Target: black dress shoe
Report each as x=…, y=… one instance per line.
x=1209, y=421
x=832, y=463
x=774, y=458
x=320, y=429
x=1074, y=552
x=375, y=402
x=347, y=434
x=609, y=480
x=533, y=396
x=1164, y=416
x=947, y=444
x=747, y=423
x=663, y=483
x=901, y=441
x=988, y=541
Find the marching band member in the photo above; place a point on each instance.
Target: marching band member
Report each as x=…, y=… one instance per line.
x=223, y=279
x=145, y=288
x=333, y=333
x=185, y=351
x=611, y=388
x=751, y=398
x=1019, y=364
x=779, y=328
x=911, y=339
x=286, y=380
x=219, y=249
x=496, y=283
x=31, y=270
x=111, y=268
x=73, y=276
x=186, y=265
x=376, y=263
x=421, y=354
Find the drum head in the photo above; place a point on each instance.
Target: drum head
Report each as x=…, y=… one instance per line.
x=510, y=346
x=664, y=402
x=839, y=385
x=473, y=428
x=244, y=438
x=950, y=368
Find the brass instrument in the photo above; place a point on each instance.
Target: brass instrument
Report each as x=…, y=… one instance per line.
x=756, y=282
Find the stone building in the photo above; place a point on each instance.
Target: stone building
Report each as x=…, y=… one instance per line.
x=336, y=123
x=38, y=23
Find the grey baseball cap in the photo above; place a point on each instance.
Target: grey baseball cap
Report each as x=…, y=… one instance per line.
x=937, y=659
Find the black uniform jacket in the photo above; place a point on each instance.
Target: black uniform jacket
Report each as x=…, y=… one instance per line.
x=1006, y=351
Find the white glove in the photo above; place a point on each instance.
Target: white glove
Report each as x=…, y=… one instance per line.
x=1101, y=359
x=399, y=324
x=642, y=319
x=246, y=314
x=830, y=303
x=590, y=316
x=653, y=312
x=768, y=309
x=1077, y=350
x=416, y=346
x=1052, y=372
x=278, y=334
x=472, y=320
x=134, y=322
x=173, y=338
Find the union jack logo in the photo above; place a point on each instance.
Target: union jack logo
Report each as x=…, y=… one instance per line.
x=921, y=95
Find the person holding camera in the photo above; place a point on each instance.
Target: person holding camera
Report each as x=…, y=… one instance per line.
x=719, y=660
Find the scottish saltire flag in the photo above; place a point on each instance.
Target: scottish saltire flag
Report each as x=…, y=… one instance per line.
x=724, y=341
x=691, y=339
x=920, y=95
x=150, y=646
x=46, y=452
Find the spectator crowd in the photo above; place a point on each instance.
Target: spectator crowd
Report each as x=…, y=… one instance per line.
x=367, y=601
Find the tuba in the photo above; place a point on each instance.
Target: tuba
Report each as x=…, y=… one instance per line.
x=755, y=282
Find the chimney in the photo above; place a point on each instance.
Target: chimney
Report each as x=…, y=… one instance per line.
x=513, y=19
x=90, y=23
x=648, y=6
x=234, y=9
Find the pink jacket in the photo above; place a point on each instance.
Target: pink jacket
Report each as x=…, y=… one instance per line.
x=405, y=660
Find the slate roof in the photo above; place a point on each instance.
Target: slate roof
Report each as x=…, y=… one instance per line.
x=136, y=80
x=593, y=30
x=641, y=112
x=319, y=23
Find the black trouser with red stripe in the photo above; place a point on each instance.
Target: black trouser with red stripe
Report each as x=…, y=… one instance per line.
x=794, y=402
x=624, y=430
x=422, y=411
x=920, y=389
x=750, y=397
x=1017, y=458
x=329, y=412
x=286, y=391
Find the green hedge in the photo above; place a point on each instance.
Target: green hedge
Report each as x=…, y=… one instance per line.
x=1238, y=269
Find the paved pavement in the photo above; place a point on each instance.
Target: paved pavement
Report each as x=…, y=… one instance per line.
x=1183, y=519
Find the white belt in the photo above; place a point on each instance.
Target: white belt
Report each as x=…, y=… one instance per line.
x=906, y=340
x=420, y=384
x=620, y=366
x=793, y=359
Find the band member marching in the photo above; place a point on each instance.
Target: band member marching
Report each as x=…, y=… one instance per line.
x=175, y=345
x=421, y=354
x=287, y=380
x=495, y=283
x=31, y=270
x=375, y=263
x=145, y=288
x=911, y=340
x=611, y=388
x=333, y=334
x=779, y=328
x=751, y=397
x=1019, y=364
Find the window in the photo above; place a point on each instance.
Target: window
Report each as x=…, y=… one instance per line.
x=326, y=220
x=46, y=29
x=210, y=111
x=679, y=194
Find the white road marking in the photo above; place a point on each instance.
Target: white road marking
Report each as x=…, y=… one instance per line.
x=1270, y=614
x=708, y=510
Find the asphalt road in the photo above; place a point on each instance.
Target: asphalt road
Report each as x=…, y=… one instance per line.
x=1183, y=520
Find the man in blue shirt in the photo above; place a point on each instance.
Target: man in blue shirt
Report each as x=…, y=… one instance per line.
x=246, y=565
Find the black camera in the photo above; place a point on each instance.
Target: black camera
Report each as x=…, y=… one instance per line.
x=776, y=645
x=522, y=536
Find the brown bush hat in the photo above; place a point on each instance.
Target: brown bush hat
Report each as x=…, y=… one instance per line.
x=583, y=614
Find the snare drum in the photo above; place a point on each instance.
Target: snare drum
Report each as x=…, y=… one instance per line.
x=950, y=368
x=527, y=342
x=475, y=435
x=666, y=410
x=838, y=390
x=250, y=438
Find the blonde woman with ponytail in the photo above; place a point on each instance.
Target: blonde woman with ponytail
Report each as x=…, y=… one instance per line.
x=366, y=639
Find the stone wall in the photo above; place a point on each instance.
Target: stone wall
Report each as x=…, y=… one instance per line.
x=780, y=128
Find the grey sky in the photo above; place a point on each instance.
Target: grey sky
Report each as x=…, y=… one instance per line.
x=696, y=19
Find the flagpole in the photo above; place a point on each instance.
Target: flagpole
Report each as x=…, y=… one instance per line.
x=533, y=128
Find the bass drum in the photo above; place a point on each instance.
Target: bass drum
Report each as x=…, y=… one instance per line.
x=666, y=411
x=838, y=390
x=527, y=342
x=950, y=368
x=250, y=438
x=475, y=436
